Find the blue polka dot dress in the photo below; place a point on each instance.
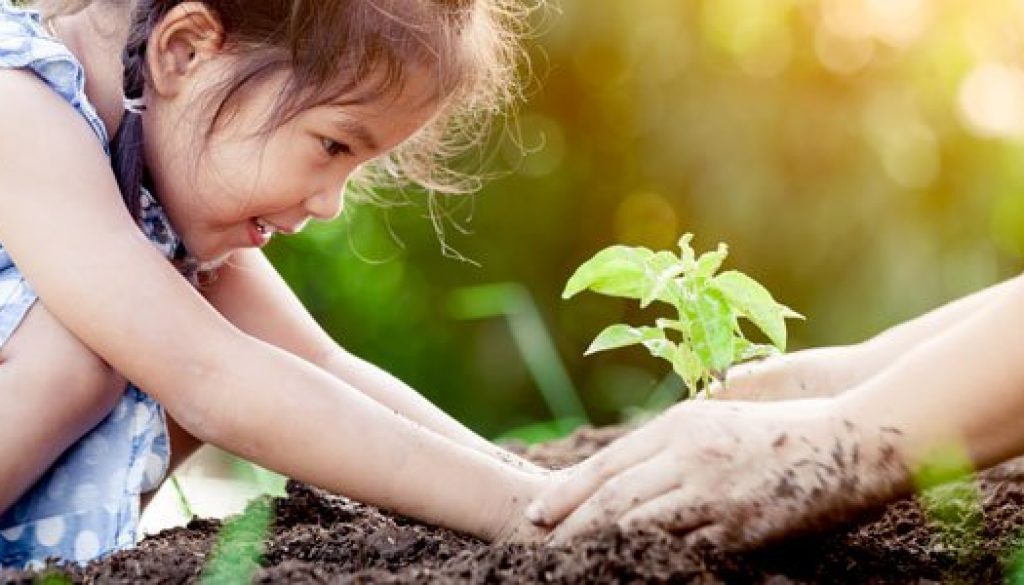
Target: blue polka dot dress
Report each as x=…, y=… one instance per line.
x=87, y=504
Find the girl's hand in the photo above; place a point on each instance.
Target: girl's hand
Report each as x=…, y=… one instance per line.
x=736, y=474
x=513, y=525
x=520, y=530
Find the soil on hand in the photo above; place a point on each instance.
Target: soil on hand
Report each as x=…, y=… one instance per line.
x=319, y=538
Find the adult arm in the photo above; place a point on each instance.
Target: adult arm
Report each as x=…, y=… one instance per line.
x=740, y=473
x=63, y=222
x=828, y=371
x=253, y=296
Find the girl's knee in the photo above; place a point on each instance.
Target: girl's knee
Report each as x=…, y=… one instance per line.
x=49, y=365
x=98, y=390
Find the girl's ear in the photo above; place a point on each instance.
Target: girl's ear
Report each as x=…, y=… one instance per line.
x=188, y=35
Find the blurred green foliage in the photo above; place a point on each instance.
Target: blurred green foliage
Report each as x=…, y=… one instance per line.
x=862, y=158
x=52, y=577
x=240, y=545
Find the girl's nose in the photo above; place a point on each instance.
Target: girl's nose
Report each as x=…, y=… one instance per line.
x=326, y=205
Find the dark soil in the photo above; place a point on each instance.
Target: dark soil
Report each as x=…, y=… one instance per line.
x=320, y=538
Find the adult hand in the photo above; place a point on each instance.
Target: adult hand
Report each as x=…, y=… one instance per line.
x=734, y=473
x=808, y=373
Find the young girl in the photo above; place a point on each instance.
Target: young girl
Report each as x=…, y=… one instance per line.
x=232, y=122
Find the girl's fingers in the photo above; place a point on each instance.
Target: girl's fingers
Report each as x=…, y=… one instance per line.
x=617, y=496
x=565, y=495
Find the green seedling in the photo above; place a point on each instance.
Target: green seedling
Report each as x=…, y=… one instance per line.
x=705, y=338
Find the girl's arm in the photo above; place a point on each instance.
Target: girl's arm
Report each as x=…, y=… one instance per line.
x=253, y=296
x=828, y=371
x=63, y=222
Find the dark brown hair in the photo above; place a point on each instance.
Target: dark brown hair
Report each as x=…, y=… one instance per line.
x=329, y=47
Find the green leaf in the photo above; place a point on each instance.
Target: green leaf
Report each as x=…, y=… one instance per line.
x=661, y=272
x=754, y=302
x=617, y=271
x=630, y=272
x=686, y=253
x=662, y=348
x=710, y=320
x=686, y=363
x=744, y=350
x=615, y=336
x=709, y=262
x=790, y=313
x=672, y=324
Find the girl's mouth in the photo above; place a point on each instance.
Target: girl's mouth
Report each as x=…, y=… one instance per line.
x=259, y=232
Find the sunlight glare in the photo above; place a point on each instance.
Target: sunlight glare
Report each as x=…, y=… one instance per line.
x=992, y=101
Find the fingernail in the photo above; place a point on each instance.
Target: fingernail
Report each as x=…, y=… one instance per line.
x=535, y=513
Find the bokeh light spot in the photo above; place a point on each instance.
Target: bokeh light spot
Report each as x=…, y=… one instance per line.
x=845, y=18
x=992, y=101
x=842, y=53
x=898, y=22
x=753, y=32
x=645, y=218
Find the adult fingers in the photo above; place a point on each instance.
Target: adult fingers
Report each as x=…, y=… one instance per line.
x=725, y=525
x=676, y=511
x=560, y=499
x=717, y=535
x=617, y=496
x=725, y=536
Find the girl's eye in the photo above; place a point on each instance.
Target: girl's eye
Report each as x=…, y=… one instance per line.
x=334, y=149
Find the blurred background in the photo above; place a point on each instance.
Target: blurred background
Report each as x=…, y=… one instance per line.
x=862, y=158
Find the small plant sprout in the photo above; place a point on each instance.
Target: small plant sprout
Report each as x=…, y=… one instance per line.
x=705, y=338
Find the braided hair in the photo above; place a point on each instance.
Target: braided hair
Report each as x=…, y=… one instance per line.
x=127, y=145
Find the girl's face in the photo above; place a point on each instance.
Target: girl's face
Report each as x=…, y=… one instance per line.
x=245, y=187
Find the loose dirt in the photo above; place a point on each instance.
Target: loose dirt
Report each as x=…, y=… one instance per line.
x=320, y=538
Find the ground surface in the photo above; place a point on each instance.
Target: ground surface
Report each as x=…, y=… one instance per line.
x=319, y=538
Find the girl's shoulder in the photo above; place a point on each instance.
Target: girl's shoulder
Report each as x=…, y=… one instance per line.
x=25, y=44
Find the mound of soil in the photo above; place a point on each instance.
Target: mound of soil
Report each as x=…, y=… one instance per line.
x=320, y=538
